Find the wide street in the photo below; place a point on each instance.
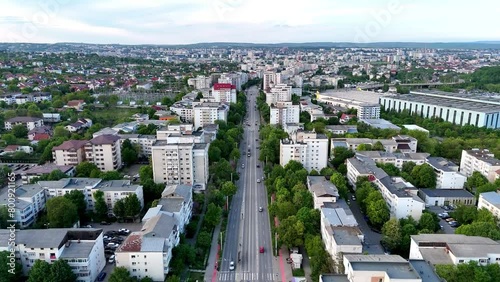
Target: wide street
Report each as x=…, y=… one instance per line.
x=248, y=229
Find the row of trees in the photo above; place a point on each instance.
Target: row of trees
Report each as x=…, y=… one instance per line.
x=371, y=202
x=293, y=206
x=469, y=272
x=422, y=176
x=476, y=222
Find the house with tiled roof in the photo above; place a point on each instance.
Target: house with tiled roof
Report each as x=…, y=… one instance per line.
x=76, y=104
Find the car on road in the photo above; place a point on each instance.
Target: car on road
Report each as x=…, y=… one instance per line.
x=105, y=223
x=242, y=165
x=231, y=265
x=258, y=165
x=111, y=259
x=353, y=198
x=261, y=250
x=101, y=276
x=261, y=209
x=258, y=180
x=257, y=140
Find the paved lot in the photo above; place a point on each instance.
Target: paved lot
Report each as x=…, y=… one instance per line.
x=372, y=239
x=115, y=226
x=447, y=229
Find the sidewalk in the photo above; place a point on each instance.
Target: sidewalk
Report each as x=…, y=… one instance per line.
x=285, y=268
x=306, y=265
x=211, y=272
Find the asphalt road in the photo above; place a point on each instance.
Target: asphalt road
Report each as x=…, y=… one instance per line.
x=248, y=229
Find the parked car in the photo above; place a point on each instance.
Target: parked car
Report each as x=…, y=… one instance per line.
x=261, y=209
x=258, y=180
x=111, y=259
x=101, y=276
x=112, y=245
x=124, y=231
x=450, y=219
x=111, y=233
x=353, y=198
x=105, y=223
x=454, y=224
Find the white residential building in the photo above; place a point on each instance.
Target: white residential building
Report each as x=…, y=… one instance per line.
x=447, y=175
x=81, y=248
x=279, y=93
x=29, y=201
x=208, y=113
x=105, y=152
x=366, y=103
x=454, y=249
x=148, y=252
x=29, y=122
x=184, y=129
x=200, y=82
x=175, y=201
x=180, y=163
x=480, y=160
x=184, y=109
x=399, y=195
x=491, y=202
x=224, y=93
x=308, y=148
x=270, y=79
x=114, y=190
x=144, y=142
x=397, y=159
x=377, y=268
x=399, y=143
x=340, y=231
x=283, y=113
x=323, y=191
x=71, y=152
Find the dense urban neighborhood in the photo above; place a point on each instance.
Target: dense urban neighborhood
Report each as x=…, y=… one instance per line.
x=242, y=162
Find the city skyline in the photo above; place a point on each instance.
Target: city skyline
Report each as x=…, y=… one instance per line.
x=258, y=21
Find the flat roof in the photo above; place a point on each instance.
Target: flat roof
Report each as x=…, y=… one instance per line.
x=345, y=235
x=380, y=123
x=333, y=278
x=355, y=95
x=339, y=216
x=78, y=250
x=447, y=193
x=425, y=271
x=322, y=187
x=442, y=164
x=491, y=197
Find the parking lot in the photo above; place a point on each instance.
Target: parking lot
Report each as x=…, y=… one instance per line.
x=115, y=227
x=447, y=229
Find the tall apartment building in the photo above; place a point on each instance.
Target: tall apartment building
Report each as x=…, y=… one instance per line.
x=71, y=152
x=491, y=202
x=183, y=128
x=308, y=148
x=208, y=113
x=180, y=163
x=184, y=110
x=224, y=93
x=270, y=79
x=144, y=142
x=283, y=113
x=81, y=248
x=279, y=93
x=368, y=111
x=480, y=160
x=200, y=82
x=447, y=175
x=29, y=201
x=105, y=152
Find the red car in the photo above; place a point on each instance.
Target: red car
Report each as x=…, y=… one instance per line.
x=261, y=250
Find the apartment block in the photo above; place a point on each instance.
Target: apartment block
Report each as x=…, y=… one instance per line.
x=28, y=175
x=81, y=248
x=399, y=143
x=176, y=201
x=399, y=195
x=447, y=175
x=323, y=191
x=397, y=159
x=279, y=93
x=283, y=113
x=270, y=79
x=144, y=142
x=200, y=82
x=148, y=252
x=184, y=129
x=29, y=201
x=105, y=152
x=114, y=190
x=224, y=93
x=480, y=160
x=208, y=113
x=386, y=268
x=180, y=163
x=30, y=122
x=491, y=202
x=454, y=249
x=184, y=109
x=71, y=152
x=308, y=148
x=340, y=231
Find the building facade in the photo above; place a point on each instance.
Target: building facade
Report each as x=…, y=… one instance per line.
x=308, y=148
x=71, y=152
x=283, y=113
x=30, y=122
x=105, y=152
x=480, y=160
x=224, y=93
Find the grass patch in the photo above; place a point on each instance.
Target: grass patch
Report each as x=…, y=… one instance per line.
x=299, y=272
x=196, y=276
x=111, y=116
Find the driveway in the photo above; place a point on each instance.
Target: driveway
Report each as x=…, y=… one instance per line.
x=372, y=239
x=447, y=229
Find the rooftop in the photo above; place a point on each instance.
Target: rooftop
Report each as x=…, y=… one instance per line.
x=491, y=197
x=322, y=187
x=54, y=237
x=354, y=95
x=78, y=250
x=105, y=139
x=23, y=119
x=339, y=216
x=333, y=278
x=448, y=193
x=345, y=235
x=180, y=190
x=380, y=123
x=48, y=168
x=442, y=164
x=484, y=155
x=394, y=266
x=71, y=145
x=70, y=183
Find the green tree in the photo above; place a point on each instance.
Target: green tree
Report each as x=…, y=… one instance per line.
x=427, y=221
x=9, y=274
x=120, y=274
x=61, y=212
x=327, y=171
x=377, y=212
x=60, y=271
x=212, y=216
x=204, y=240
x=391, y=234
x=465, y=214
x=4, y=217
x=228, y=188
x=129, y=152
x=291, y=232
x=340, y=182
x=475, y=180
x=303, y=198
x=78, y=199
x=145, y=173
x=101, y=209
x=132, y=205
x=314, y=172
x=40, y=272
x=84, y=169
x=110, y=175
x=483, y=229
x=173, y=278
x=364, y=147
x=60, y=131
x=20, y=131
x=424, y=176
x=119, y=208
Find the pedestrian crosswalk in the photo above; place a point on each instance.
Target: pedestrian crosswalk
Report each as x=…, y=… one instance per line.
x=246, y=276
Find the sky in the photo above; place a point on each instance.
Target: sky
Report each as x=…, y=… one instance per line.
x=249, y=21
